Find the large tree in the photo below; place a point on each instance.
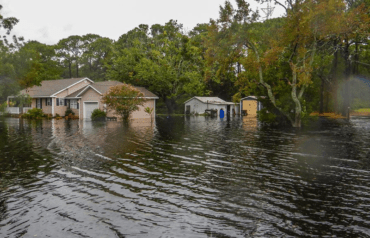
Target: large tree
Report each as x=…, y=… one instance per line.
x=279, y=64
x=163, y=59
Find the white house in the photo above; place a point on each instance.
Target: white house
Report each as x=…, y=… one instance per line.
x=198, y=105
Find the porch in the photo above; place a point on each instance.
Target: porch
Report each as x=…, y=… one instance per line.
x=17, y=110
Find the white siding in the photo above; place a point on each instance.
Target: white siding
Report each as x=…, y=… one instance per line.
x=199, y=107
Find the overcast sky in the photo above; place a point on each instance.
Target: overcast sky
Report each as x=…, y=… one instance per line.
x=48, y=21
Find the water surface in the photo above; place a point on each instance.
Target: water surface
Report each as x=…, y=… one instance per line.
x=184, y=177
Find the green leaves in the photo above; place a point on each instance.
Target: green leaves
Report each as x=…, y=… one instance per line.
x=165, y=60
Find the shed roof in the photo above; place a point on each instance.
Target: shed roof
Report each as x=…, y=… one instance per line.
x=211, y=100
x=252, y=98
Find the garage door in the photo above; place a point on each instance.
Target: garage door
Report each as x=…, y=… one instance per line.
x=89, y=107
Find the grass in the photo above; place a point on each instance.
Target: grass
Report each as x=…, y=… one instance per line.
x=328, y=114
x=363, y=110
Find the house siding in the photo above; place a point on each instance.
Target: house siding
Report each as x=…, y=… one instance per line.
x=62, y=109
x=139, y=114
x=90, y=96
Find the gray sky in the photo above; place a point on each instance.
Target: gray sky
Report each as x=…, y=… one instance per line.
x=48, y=21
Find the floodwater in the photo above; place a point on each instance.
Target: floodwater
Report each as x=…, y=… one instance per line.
x=184, y=177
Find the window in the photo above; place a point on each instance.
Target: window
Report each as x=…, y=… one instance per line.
x=48, y=102
x=38, y=103
x=61, y=101
x=73, y=104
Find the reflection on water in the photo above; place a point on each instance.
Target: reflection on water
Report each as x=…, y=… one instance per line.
x=183, y=177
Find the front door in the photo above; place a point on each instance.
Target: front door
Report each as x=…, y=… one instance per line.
x=89, y=107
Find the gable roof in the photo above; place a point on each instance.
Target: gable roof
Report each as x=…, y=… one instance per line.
x=103, y=87
x=211, y=100
x=49, y=88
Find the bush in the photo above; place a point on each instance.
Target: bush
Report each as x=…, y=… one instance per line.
x=98, y=115
x=34, y=113
x=68, y=112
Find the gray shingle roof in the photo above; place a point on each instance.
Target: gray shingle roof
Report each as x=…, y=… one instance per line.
x=50, y=87
x=104, y=86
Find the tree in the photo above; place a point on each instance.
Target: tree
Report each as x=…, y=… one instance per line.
x=7, y=24
x=165, y=60
x=124, y=99
x=35, y=62
x=279, y=64
x=70, y=50
x=97, y=54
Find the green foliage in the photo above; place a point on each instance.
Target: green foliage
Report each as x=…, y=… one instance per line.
x=164, y=60
x=98, y=115
x=148, y=110
x=265, y=116
x=3, y=108
x=34, y=113
x=69, y=111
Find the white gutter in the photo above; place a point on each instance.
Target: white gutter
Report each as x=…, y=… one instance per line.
x=54, y=95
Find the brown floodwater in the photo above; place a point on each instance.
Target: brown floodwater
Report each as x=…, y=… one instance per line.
x=184, y=177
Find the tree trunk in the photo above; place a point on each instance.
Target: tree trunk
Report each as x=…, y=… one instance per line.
x=355, y=63
x=321, y=110
x=347, y=73
x=169, y=104
x=70, y=69
x=335, y=79
x=298, y=107
x=77, y=68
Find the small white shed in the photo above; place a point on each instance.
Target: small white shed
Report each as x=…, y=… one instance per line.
x=198, y=105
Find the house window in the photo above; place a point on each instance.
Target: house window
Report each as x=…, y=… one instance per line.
x=38, y=103
x=48, y=102
x=73, y=104
x=61, y=101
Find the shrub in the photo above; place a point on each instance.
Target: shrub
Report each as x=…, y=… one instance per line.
x=68, y=112
x=98, y=115
x=34, y=113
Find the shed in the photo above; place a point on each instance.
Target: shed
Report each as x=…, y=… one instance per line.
x=198, y=105
x=250, y=105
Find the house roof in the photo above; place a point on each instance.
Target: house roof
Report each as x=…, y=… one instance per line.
x=103, y=87
x=50, y=87
x=75, y=94
x=211, y=100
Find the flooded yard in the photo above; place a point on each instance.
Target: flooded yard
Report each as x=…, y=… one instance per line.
x=184, y=177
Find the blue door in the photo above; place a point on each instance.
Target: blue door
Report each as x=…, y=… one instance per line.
x=222, y=113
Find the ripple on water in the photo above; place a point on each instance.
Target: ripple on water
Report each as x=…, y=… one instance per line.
x=182, y=177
